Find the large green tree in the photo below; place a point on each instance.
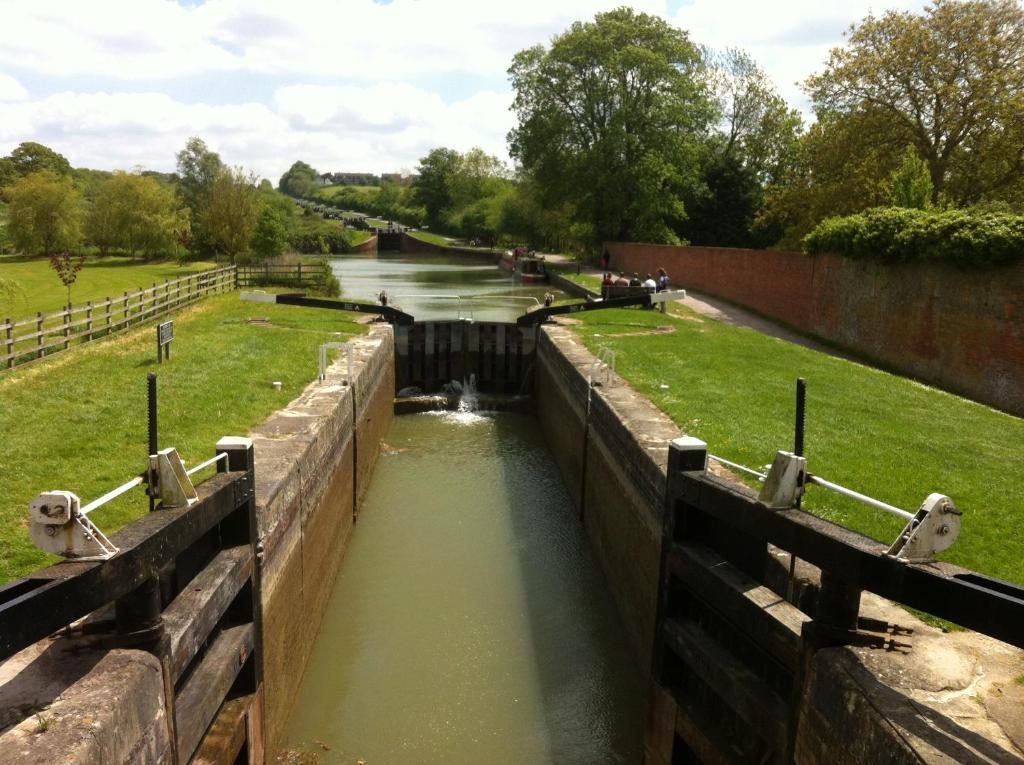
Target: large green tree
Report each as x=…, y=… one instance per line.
x=610, y=116
x=30, y=157
x=198, y=170
x=755, y=146
x=135, y=213
x=432, y=189
x=948, y=81
x=757, y=126
x=44, y=213
x=274, y=224
x=839, y=170
x=723, y=212
x=300, y=180
x=230, y=212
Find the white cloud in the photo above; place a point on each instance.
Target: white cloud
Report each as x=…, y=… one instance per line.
x=342, y=84
x=122, y=39
x=790, y=41
x=11, y=89
x=135, y=40
x=333, y=128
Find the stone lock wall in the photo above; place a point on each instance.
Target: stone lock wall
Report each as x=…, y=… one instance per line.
x=961, y=330
x=855, y=704
x=314, y=459
x=313, y=464
x=613, y=463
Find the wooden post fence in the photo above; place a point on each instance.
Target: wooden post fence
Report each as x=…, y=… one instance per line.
x=27, y=340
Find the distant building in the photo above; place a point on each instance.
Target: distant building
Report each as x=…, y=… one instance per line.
x=364, y=179
x=398, y=179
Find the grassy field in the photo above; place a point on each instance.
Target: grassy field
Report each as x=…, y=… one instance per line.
x=590, y=281
x=41, y=290
x=883, y=435
x=78, y=420
x=428, y=236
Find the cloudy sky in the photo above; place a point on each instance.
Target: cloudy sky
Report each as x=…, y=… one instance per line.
x=347, y=85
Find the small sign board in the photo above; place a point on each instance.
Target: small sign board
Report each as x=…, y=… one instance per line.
x=164, y=336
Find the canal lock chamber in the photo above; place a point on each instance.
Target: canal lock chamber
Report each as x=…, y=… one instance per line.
x=470, y=621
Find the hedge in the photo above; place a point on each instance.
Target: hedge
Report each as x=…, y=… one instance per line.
x=897, y=234
x=333, y=242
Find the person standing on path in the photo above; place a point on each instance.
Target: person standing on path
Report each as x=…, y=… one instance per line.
x=662, y=280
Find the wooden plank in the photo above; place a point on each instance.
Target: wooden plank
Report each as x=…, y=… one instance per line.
x=256, y=727
x=500, y=358
x=738, y=688
x=444, y=361
x=32, y=608
x=429, y=361
x=226, y=736
x=199, y=606
x=692, y=725
x=200, y=698
x=764, y=616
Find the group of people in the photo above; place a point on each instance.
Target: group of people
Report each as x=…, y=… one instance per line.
x=657, y=285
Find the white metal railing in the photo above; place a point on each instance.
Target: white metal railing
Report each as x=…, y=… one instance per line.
x=347, y=347
x=810, y=478
x=457, y=298
x=211, y=461
x=605, y=361
x=465, y=300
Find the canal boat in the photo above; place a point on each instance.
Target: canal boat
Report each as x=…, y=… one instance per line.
x=525, y=266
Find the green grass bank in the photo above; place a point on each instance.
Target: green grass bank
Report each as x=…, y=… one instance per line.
x=78, y=421
x=102, y=277
x=883, y=435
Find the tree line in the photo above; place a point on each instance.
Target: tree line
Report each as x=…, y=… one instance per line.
x=627, y=129
x=205, y=209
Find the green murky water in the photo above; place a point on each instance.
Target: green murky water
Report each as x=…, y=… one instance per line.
x=470, y=623
x=439, y=286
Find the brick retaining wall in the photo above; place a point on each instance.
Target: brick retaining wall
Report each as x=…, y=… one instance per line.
x=959, y=330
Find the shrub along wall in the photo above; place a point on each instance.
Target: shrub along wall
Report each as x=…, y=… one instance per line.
x=895, y=234
x=961, y=330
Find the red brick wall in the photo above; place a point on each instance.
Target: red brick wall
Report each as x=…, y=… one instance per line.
x=959, y=330
x=370, y=245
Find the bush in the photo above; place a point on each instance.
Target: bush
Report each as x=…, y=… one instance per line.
x=331, y=240
x=320, y=273
x=966, y=238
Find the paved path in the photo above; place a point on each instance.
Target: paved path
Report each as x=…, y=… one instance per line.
x=727, y=313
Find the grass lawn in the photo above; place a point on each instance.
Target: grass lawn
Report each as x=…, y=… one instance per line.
x=445, y=241
x=883, y=435
x=101, y=278
x=78, y=421
x=590, y=281
x=428, y=236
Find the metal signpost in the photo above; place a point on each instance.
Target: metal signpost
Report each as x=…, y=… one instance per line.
x=164, y=336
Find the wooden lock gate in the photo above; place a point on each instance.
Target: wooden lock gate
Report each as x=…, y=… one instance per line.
x=184, y=586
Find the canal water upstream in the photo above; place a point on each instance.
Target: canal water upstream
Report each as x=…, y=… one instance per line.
x=428, y=286
x=469, y=623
